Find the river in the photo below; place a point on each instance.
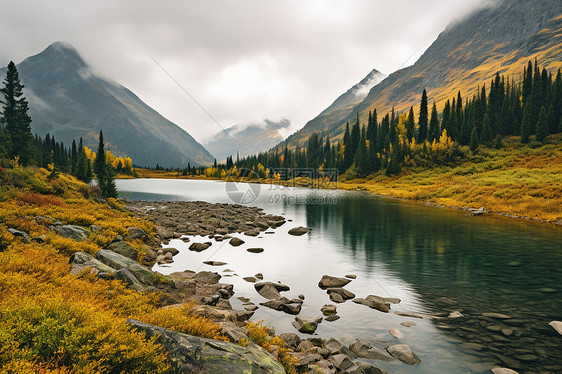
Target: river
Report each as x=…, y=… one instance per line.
x=436, y=260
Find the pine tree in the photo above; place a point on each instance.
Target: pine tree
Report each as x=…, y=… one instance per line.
x=410, y=125
x=486, y=136
x=109, y=189
x=552, y=125
x=542, y=125
x=474, y=139
x=15, y=116
x=423, y=119
x=525, y=127
x=433, y=132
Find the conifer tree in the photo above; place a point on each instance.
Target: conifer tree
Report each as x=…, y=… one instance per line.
x=552, y=125
x=525, y=126
x=433, y=132
x=15, y=118
x=410, y=125
x=423, y=119
x=542, y=126
x=474, y=139
x=486, y=136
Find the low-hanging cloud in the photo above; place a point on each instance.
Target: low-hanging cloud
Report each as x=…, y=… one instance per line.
x=242, y=61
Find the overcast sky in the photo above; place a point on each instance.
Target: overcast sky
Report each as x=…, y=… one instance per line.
x=244, y=61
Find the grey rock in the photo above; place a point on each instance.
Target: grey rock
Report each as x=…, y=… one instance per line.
x=207, y=277
x=255, y=250
x=341, y=362
x=329, y=281
x=323, y=366
x=278, y=286
x=214, y=263
x=305, y=345
x=334, y=346
x=374, y=302
x=81, y=261
x=72, y=232
x=128, y=278
x=172, y=250
x=408, y=323
x=255, y=232
x=332, y=318
x=291, y=339
x=298, y=231
x=305, y=359
x=292, y=308
x=306, y=325
x=117, y=261
x=251, y=308
x=496, y=315
x=396, y=333
x=192, y=354
x=234, y=332
x=276, y=304
x=40, y=239
x=336, y=298
x=455, y=314
x=345, y=294
x=123, y=248
x=363, y=349
x=269, y=292
x=556, y=325
x=259, y=276
x=328, y=309
x=498, y=370
x=136, y=233
x=96, y=229
x=404, y=353
x=235, y=242
x=363, y=368
x=351, y=276
x=250, y=279
x=199, y=247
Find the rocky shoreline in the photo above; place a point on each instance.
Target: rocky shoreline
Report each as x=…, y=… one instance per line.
x=212, y=297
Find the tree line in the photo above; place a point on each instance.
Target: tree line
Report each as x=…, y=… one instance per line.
x=19, y=146
x=531, y=109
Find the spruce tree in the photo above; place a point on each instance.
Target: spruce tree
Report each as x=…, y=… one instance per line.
x=410, y=125
x=550, y=120
x=433, y=132
x=542, y=126
x=15, y=116
x=423, y=119
x=486, y=136
x=525, y=127
x=474, y=139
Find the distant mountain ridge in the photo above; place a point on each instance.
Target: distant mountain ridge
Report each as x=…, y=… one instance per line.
x=68, y=100
x=502, y=37
x=246, y=139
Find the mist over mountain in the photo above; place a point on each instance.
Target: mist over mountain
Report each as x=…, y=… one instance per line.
x=68, y=100
x=501, y=37
x=246, y=139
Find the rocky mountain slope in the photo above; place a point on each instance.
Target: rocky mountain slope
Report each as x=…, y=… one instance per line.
x=502, y=37
x=69, y=101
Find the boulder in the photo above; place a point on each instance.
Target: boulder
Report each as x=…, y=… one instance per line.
x=188, y=354
x=255, y=250
x=556, y=325
x=374, y=302
x=276, y=304
x=363, y=368
x=363, y=349
x=498, y=370
x=172, y=250
x=328, y=310
x=128, y=278
x=254, y=232
x=214, y=263
x=199, y=247
x=306, y=325
x=292, y=308
x=291, y=339
x=20, y=234
x=117, y=261
x=334, y=346
x=250, y=279
x=81, y=261
x=336, y=298
x=404, y=353
x=72, y=232
x=278, y=286
x=123, y=248
x=305, y=359
x=332, y=318
x=96, y=229
x=329, y=281
x=234, y=332
x=235, y=242
x=345, y=294
x=259, y=276
x=341, y=362
x=323, y=366
x=396, y=333
x=269, y=292
x=136, y=233
x=207, y=277
x=298, y=231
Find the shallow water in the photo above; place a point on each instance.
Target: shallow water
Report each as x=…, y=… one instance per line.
x=435, y=260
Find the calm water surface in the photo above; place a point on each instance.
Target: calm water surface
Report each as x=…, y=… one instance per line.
x=435, y=260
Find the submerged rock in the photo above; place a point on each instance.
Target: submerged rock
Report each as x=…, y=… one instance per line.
x=328, y=310
x=198, y=247
x=374, y=302
x=306, y=325
x=363, y=349
x=396, y=333
x=190, y=354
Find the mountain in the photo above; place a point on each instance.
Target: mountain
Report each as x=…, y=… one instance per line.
x=69, y=101
x=340, y=109
x=246, y=139
x=501, y=37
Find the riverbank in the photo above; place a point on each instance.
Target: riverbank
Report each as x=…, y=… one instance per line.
x=516, y=181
